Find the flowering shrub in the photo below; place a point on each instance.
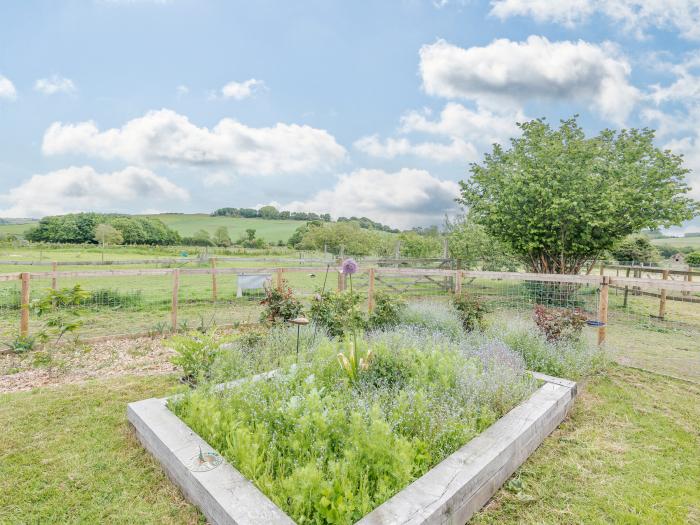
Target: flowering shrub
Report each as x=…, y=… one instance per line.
x=559, y=323
x=326, y=453
x=471, y=311
x=280, y=304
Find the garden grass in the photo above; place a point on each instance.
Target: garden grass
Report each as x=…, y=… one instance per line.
x=627, y=454
x=67, y=455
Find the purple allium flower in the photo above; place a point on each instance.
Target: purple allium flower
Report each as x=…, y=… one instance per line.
x=349, y=267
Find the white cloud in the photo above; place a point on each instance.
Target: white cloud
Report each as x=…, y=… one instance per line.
x=456, y=150
x=83, y=189
x=54, y=84
x=165, y=137
x=480, y=126
x=635, y=16
x=182, y=90
x=508, y=73
x=7, y=89
x=467, y=131
x=241, y=90
x=404, y=198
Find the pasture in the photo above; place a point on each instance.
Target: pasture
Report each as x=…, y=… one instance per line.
x=186, y=224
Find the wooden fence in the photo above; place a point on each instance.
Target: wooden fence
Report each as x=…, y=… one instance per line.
x=374, y=275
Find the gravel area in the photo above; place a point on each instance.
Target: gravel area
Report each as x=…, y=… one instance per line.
x=77, y=362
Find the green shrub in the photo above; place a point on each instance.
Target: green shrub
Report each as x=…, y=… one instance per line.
x=471, y=311
x=195, y=355
x=280, y=304
x=387, y=311
x=693, y=259
x=338, y=312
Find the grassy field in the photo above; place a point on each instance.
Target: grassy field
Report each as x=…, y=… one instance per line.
x=678, y=242
x=628, y=454
x=187, y=224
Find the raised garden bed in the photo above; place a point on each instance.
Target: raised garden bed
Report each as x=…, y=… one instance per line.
x=452, y=491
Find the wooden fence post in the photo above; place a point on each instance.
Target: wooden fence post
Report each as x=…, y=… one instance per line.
x=370, y=290
x=627, y=290
x=662, y=298
x=212, y=262
x=602, y=268
x=603, y=309
x=176, y=289
x=24, y=317
x=341, y=281
x=54, y=268
x=688, y=278
x=458, y=282
x=280, y=277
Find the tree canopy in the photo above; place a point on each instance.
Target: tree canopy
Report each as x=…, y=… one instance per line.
x=559, y=199
x=80, y=228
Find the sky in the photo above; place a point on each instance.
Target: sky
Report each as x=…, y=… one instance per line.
x=373, y=108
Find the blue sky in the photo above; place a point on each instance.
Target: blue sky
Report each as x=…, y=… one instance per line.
x=353, y=108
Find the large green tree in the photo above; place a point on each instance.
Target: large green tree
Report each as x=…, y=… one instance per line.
x=559, y=199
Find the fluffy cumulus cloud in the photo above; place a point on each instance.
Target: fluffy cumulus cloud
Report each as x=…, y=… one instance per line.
x=166, y=137
x=509, y=73
x=82, y=188
x=241, y=90
x=635, y=16
x=463, y=131
x=404, y=198
x=7, y=89
x=54, y=84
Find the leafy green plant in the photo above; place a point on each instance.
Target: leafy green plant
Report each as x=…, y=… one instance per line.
x=21, y=344
x=387, y=311
x=337, y=312
x=158, y=329
x=280, y=304
x=471, y=311
x=61, y=311
x=196, y=353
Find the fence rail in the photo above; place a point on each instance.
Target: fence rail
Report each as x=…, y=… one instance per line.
x=196, y=291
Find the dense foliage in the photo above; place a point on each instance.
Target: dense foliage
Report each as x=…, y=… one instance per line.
x=471, y=310
x=279, y=304
x=336, y=235
x=328, y=450
x=474, y=248
x=558, y=199
x=81, y=228
x=271, y=213
x=693, y=259
x=635, y=249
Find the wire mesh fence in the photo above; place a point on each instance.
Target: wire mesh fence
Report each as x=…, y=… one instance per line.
x=199, y=295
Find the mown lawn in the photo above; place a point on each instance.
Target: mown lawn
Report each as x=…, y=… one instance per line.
x=628, y=454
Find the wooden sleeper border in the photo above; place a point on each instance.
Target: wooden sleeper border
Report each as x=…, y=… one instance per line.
x=451, y=492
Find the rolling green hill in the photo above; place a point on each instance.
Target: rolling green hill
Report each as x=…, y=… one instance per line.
x=678, y=242
x=187, y=224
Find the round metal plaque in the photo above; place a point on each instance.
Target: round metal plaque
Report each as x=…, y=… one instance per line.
x=205, y=461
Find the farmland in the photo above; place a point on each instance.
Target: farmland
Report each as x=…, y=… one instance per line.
x=186, y=224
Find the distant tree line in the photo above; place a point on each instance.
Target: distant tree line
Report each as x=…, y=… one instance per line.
x=272, y=213
x=80, y=228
